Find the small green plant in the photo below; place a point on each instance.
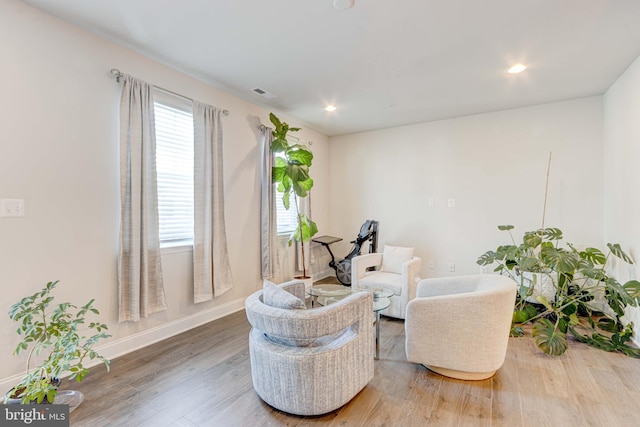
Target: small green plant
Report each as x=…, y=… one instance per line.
x=291, y=174
x=57, y=332
x=579, y=278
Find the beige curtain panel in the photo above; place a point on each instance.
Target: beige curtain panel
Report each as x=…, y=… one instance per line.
x=268, y=216
x=140, y=287
x=211, y=269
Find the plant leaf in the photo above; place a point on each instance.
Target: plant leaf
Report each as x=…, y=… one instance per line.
x=552, y=233
x=297, y=172
x=617, y=251
x=532, y=240
x=560, y=260
x=633, y=289
x=505, y=227
x=279, y=145
x=609, y=325
x=516, y=331
x=299, y=156
x=616, y=291
x=594, y=255
x=548, y=338
x=487, y=258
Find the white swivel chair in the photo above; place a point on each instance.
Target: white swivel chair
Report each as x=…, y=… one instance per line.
x=396, y=271
x=459, y=326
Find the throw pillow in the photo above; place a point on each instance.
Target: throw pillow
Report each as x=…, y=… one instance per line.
x=393, y=257
x=277, y=297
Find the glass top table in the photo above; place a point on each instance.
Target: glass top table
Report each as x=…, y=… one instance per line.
x=326, y=294
x=332, y=290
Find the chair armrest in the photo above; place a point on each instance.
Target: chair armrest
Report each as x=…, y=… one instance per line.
x=360, y=264
x=410, y=270
x=309, y=323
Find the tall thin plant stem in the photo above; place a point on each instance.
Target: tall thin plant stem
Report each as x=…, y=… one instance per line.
x=546, y=191
x=304, y=267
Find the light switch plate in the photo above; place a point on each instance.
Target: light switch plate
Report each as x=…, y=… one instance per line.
x=11, y=208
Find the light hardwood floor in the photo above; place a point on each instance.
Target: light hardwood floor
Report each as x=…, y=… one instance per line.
x=203, y=378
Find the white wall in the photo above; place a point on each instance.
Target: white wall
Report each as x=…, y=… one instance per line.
x=59, y=152
x=493, y=165
x=622, y=173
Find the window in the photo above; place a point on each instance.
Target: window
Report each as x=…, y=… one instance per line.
x=287, y=220
x=174, y=162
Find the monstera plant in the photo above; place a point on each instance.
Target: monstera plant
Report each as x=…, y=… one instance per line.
x=580, y=281
x=291, y=174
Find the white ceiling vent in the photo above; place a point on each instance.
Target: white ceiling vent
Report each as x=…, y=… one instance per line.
x=263, y=93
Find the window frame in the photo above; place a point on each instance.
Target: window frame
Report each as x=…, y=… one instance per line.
x=165, y=101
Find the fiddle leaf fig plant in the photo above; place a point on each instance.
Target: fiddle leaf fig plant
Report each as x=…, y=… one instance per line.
x=291, y=174
x=57, y=332
x=586, y=303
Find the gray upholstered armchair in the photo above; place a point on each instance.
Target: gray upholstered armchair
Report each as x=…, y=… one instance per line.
x=309, y=361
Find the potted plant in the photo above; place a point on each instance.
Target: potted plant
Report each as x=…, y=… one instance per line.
x=55, y=332
x=291, y=174
x=523, y=264
x=578, y=278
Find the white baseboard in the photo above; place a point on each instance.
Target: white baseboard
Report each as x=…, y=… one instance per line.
x=122, y=346
x=324, y=274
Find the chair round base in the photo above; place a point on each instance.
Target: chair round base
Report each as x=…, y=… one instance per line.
x=460, y=375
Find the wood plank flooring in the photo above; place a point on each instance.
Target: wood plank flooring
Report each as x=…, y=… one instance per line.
x=203, y=378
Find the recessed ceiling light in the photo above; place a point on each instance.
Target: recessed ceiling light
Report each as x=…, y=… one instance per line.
x=330, y=108
x=518, y=68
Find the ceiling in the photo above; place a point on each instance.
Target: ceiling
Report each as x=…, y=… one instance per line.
x=382, y=63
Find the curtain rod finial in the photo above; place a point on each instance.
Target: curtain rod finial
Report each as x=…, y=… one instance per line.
x=116, y=73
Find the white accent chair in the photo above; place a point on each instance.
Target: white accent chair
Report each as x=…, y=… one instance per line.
x=459, y=326
x=396, y=270
x=310, y=361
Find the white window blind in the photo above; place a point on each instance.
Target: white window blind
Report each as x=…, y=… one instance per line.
x=174, y=162
x=287, y=219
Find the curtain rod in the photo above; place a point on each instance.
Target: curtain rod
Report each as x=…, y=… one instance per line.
x=118, y=74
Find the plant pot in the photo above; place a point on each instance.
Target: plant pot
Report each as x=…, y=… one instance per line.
x=307, y=280
x=597, y=290
x=8, y=400
x=538, y=284
x=72, y=398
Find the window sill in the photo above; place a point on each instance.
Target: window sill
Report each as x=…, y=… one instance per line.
x=176, y=249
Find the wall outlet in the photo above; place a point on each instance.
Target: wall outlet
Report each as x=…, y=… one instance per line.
x=452, y=267
x=431, y=202
x=451, y=203
x=12, y=208
x=432, y=264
